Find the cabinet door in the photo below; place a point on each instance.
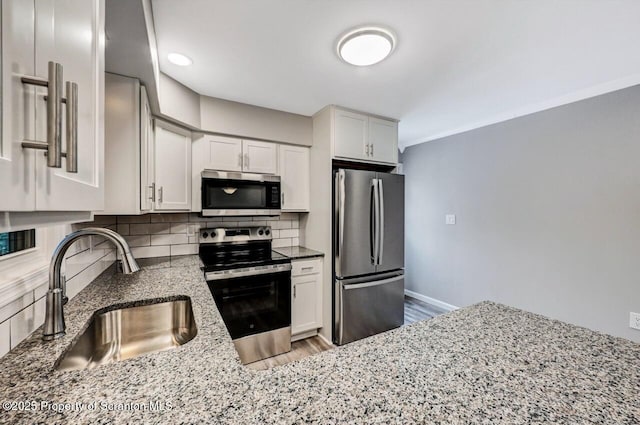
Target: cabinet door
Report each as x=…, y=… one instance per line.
x=259, y=157
x=383, y=140
x=225, y=154
x=71, y=33
x=147, y=190
x=294, y=172
x=304, y=313
x=172, y=168
x=17, y=165
x=350, y=137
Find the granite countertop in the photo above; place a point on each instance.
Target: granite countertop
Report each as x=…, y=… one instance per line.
x=485, y=364
x=297, y=252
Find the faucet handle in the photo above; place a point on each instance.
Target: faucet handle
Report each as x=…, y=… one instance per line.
x=63, y=284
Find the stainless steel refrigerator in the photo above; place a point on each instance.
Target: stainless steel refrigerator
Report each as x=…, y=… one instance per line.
x=368, y=254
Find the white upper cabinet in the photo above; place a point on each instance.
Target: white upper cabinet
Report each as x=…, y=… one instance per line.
x=383, y=140
x=249, y=156
x=294, y=174
x=351, y=134
x=362, y=137
x=259, y=157
x=71, y=34
x=172, y=168
x=225, y=153
x=129, y=155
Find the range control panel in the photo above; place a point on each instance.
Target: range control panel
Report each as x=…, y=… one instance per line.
x=235, y=234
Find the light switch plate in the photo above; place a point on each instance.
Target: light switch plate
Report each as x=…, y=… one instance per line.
x=450, y=219
x=634, y=320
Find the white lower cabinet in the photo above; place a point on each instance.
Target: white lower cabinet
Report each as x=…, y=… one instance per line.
x=306, y=297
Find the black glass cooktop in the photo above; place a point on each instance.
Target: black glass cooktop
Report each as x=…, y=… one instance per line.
x=227, y=256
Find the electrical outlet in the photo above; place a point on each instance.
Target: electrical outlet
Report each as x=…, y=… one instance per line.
x=634, y=320
x=450, y=219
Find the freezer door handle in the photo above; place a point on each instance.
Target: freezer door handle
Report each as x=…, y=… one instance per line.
x=380, y=221
x=373, y=283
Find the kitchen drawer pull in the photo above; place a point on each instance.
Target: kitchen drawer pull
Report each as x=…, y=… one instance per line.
x=53, y=145
x=307, y=268
x=72, y=127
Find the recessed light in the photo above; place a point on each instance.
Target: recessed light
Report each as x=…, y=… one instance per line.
x=179, y=59
x=366, y=46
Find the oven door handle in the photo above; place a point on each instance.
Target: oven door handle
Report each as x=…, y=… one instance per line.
x=209, y=276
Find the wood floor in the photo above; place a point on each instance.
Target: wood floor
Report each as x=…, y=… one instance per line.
x=414, y=310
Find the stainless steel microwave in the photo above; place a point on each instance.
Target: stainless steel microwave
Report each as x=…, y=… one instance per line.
x=239, y=194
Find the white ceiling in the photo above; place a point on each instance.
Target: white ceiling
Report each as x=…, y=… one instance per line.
x=458, y=64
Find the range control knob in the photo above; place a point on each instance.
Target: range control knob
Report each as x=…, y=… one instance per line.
x=261, y=232
x=205, y=235
x=213, y=234
x=267, y=232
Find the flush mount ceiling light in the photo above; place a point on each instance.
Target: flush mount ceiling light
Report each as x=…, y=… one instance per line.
x=366, y=46
x=179, y=59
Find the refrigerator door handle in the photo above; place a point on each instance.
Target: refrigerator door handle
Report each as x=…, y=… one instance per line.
x=341, y=194
x=374, y=227
x=380, y=221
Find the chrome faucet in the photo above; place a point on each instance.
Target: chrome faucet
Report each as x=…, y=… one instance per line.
x=54, y=326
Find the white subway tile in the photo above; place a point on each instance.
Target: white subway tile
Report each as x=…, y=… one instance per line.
x=289, y=216
x=5, y=337
x=123, y=229
x=280, y=243
x=103, y=220
x=180, y=227
x=26, y=321
x=259, y=223
x=138, y=240
x=289, y=233
x=11, y=308
x=282, y=224
x=195, y=218
x=41, y=291
x=139, y=229
x=194, y=239
x=231, y=218
x=170, y=239
x=246, y=223
x=184, y=249
x=295, y=241
x=151, y=251
x=159, y=228
x=126, y=219
x=170, y=218
x=275, y=234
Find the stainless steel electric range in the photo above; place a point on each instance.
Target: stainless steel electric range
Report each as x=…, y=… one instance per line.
x=251, y=285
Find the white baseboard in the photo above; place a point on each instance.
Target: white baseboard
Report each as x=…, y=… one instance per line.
x=443, y=305
x=325, y=339
x=304, y=335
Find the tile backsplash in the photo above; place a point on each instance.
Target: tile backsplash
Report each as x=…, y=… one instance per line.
x=159, y=235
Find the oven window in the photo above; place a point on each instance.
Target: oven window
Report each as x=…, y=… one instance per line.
x=254, y=304
x=233, y=194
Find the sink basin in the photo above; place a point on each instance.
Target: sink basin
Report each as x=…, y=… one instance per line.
x=117, y=333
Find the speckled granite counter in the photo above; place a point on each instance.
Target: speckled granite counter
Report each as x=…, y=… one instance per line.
x=486, y=364
x=298, y=252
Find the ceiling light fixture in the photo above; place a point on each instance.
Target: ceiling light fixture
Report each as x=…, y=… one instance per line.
x=364, y=46
x=179, y=59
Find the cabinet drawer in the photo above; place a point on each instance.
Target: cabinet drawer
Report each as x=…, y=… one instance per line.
x=305, y=267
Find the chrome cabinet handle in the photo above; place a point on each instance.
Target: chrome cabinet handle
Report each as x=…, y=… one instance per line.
x=239, y=160
x=53, y=145
x=282, y=198
x=366, y=149
x=160, y=194
x=294, y=291
x=72, y=127
x=246, y=161
x=152, y=198
x=307, y=268
x=371, y=149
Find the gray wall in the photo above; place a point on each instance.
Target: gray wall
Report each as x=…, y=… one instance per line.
x=548, y=214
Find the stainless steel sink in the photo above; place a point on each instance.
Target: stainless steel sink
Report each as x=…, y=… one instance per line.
x=115, y=333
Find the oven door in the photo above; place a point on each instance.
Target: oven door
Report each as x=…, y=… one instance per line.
x=253, y=303
x=232, y=194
